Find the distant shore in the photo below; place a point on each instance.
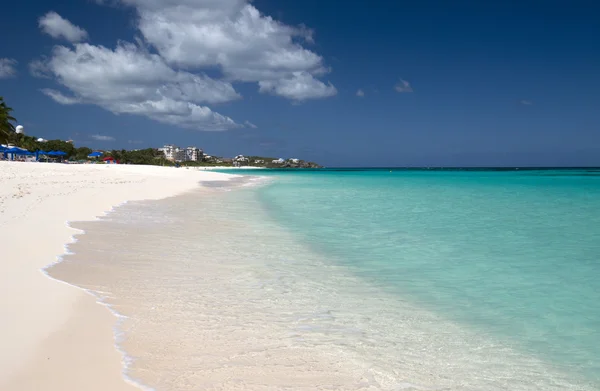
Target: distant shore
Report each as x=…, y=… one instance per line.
x=54, y=335
x=228, y=168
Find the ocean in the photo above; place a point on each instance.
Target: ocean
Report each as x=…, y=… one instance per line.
x=381, y=279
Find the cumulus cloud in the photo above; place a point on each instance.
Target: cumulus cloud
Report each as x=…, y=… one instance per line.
x=403, y=86
x=360, y=93
x=58, y=27
x=7, y=68
x=526, y=102
x=161, y=76
x=100, y=137
x=299, y=86
x=235, y=37
x=250, y=125
x=129, y=80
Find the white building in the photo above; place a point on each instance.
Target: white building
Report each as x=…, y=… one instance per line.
x=169, y=151
x=180, y=155
x=193, y=154
x=278, y=161
x=239, y=160
x=177, y=154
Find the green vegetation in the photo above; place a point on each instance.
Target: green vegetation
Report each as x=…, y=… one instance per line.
x=148, y=156
x=6, y=120
x=208, y=163
x=30, y=143
x=262, y=161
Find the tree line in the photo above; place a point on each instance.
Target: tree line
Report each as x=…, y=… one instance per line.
x=8, y=135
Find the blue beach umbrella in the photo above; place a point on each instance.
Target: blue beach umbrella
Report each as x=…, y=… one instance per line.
x=95, y=154
x=39, y=153
x=15, y=151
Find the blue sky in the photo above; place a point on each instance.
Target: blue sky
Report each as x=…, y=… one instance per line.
x=379, y=83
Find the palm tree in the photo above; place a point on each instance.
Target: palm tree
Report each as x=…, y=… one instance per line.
x=6, y=127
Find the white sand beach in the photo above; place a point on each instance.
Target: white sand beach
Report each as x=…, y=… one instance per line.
x=55, y=336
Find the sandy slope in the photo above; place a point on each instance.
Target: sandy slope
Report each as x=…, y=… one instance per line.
x=54, y=336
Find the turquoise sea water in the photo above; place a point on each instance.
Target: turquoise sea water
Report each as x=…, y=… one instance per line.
x=364, y=280
x=514, y=255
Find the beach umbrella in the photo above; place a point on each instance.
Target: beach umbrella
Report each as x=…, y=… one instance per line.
x=39, y=153
x=61, y=153
x=95, y=154
x=15, y=151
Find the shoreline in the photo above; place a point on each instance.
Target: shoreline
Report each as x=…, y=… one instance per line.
x=118, y=318
x=209, y=168
x=209, y=318
x=56, y=336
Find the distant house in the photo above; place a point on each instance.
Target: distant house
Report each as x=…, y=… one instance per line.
x=179, y=155
x=193, y=154
x=176, y=154
x=278, y=161
x=169, y=151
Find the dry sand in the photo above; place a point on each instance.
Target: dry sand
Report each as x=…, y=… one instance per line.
x=54, y=336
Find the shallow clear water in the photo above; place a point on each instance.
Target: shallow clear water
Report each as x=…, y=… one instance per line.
x=512, y=254
x=355, y=280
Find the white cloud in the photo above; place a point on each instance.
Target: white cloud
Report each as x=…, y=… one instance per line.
x=161, y=76
x=360, y=93
x=526, y=102
x=100, y=137
x=403, y=86
x=39, y=68
x=7, y=68
x=58, y=27
x=250, y=125
x=300, y=86
x=59, y=97
x=235, y=37
x=129, y=80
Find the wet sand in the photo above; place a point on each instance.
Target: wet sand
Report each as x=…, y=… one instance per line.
x=55, y=336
